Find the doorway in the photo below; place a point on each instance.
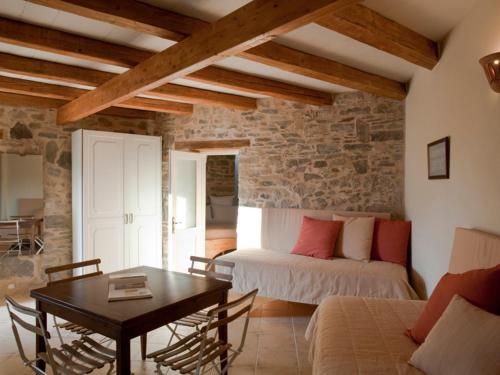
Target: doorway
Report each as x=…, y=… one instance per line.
x=221, y=213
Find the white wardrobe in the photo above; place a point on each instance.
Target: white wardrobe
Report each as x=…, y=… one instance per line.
x=117, y=199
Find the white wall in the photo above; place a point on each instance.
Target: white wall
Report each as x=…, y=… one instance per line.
x=454, y=99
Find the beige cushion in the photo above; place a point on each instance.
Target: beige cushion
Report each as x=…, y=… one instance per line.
x=355, y=240
x=465, y=340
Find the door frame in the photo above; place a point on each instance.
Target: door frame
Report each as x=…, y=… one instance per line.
x=201, y=160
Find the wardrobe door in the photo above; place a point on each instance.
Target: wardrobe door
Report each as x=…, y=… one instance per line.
x=143, y=201
x=103, y=196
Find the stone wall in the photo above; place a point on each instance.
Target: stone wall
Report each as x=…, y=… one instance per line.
x=348, y=156
x=220, y=175
x=34, y=131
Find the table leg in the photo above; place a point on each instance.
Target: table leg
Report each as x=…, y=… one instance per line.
x=144, y=344
x=123, y=356
x=223, y=333
x=40, y=342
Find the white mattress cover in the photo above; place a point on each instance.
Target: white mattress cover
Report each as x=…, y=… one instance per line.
x=351, y=335
x=304, y=279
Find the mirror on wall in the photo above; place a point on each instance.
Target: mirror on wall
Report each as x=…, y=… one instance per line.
x=21, y=204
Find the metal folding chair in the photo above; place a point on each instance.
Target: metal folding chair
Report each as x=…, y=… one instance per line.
x=199, y=352
x=81, y=357
x=210, y=270
x=68, y=326
x=10, y=236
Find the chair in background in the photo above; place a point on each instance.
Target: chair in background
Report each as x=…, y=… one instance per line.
x=209, y=270
x=66, y=268
x=81, y=357
x=199, y=352
x=10, y=236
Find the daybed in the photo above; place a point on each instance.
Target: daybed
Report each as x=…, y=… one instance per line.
x=263, y=260
x=350, y=335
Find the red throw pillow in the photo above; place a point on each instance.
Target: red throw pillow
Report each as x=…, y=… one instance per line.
x=479, y=287
x=317, y=238
x=390, y=241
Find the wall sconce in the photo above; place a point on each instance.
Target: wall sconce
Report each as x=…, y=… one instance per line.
x=491, y=66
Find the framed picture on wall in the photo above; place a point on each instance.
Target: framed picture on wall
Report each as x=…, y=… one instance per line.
x=438, y=159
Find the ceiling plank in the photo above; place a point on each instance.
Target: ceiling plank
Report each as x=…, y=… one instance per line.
x=228, y=36
x=131, y=14
x=17, y=100
x=299, y=62
x=369, y=27
x=18, y=33
x=46, y=90
x=83, y=76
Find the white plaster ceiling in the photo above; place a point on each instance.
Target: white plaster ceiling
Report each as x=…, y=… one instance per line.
x=432, y=18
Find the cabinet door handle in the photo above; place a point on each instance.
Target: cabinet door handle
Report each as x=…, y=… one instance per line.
x=131, y=218
x=126, y=218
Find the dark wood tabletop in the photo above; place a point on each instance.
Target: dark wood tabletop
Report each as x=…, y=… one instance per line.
x=85, y=302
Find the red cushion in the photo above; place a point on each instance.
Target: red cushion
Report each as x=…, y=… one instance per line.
x=479, y=287
x=390, y=241
x=317, y=238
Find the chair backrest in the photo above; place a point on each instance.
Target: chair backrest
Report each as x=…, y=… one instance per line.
x=9, y=231
x=73, y=266
x=13, y=307
x=229, y=312
x=210, y=270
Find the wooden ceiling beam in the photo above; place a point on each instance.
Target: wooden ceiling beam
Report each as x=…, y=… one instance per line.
x=17, y=100
x=228, y=36
x=367, y=26
x=54, y=41
x=258, y=85
x=83, y=76
x=130, y=14
x=66, y=44
x=50, y=91
x=323, y=69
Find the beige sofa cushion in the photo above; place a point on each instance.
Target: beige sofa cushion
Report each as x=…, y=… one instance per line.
x=355, y=240
x=465, y=340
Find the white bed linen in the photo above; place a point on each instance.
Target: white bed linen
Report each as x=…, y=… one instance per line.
x=304, y=279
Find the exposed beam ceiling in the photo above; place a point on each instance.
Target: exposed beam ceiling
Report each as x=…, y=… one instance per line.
x=369, y=27
x=33, y=101
x=295, y=61
x=83, y=76
x=46, y=90
x=251, y=25
x=66, y=44
x=357, y=22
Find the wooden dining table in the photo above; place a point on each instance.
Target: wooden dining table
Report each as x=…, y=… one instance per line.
x=85, y=302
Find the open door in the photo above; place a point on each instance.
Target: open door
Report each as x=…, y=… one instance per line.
x=186, y=209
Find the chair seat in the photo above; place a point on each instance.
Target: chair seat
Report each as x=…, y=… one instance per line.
x=193, y=320
x=81, y=357
x=75, y=328
x=184, y=355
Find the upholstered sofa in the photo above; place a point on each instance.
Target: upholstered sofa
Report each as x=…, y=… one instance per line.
x=350, y=335
x=263, y=260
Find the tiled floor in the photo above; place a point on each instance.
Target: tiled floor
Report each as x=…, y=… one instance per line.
x=275, y=345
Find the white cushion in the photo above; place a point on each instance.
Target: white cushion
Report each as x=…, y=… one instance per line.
x=465, y=340
x=227, y=200
x=355, y=240
x=224, y=214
